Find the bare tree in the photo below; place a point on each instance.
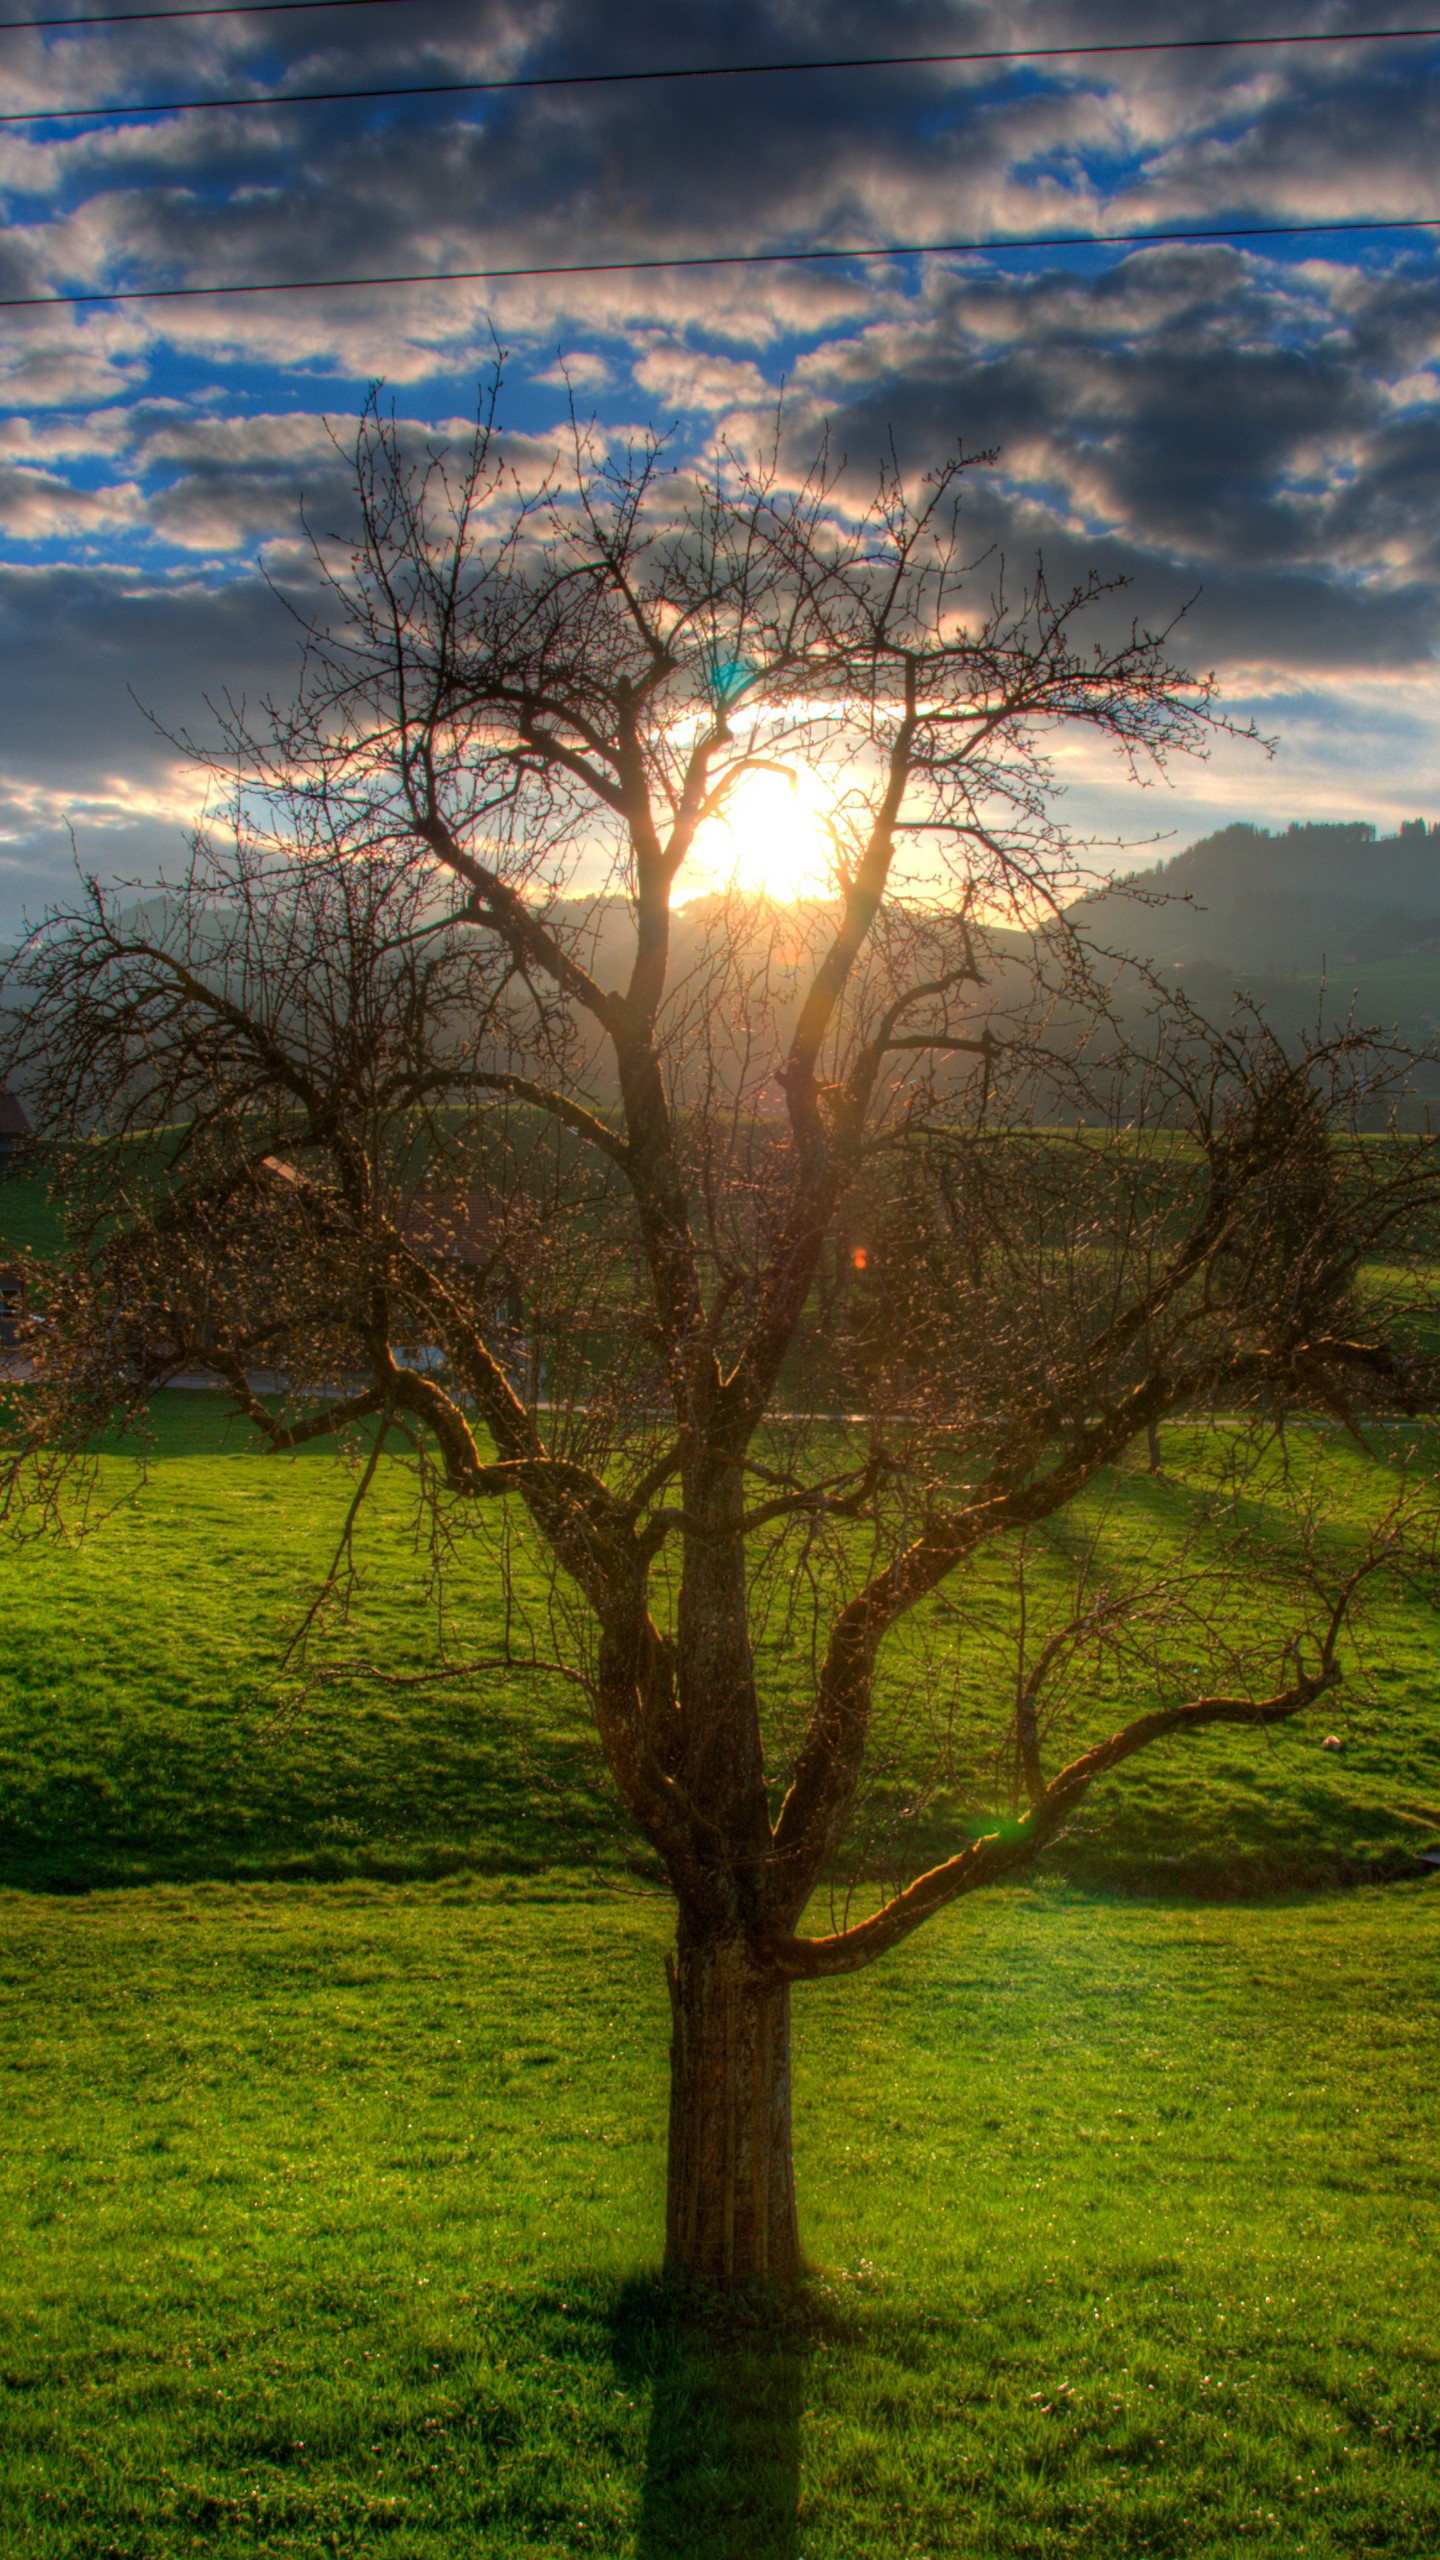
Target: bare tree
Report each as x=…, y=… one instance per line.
x=782, y=1264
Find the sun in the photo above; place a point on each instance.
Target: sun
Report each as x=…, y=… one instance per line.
x=772, y=840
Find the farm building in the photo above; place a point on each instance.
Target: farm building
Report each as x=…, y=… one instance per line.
x=14, y=1128
x=464, y=1228
x=12, y=1305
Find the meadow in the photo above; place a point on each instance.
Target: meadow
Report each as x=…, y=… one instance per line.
x=152, y=1731
x=332, y=2032
x=332, y=2209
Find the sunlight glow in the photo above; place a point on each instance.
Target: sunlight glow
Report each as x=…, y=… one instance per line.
x=772, y=839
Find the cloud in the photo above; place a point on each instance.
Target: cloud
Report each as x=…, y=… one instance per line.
x=85, y=655
x=688, y=378
x=196, y=482
x=35, y=506
x=1191, y=419
x=1258, y=427
x=240, y=482
x=581, y=370
x=62, y=438
x=1317, y=138
x=1363, y=748
x=62, y=360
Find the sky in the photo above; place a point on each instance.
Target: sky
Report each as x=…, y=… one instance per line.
x=1248, y=430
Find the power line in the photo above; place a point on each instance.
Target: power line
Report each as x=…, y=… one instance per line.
x=702, y=71
x=734, y=258
x=236, y=9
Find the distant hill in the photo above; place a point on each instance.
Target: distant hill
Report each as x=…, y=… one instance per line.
x=1275, y=905
x=1248, y=903
x=1265, y=915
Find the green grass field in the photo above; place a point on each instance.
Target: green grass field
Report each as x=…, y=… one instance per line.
x=332, y=2037
x=330, y=2211
x=149, y=1731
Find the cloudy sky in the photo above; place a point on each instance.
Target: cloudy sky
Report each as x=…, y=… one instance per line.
x=1254, y=425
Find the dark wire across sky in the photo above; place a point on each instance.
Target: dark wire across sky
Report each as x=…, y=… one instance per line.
x=1022, y=53
x=237, y=9
x=737, y=258
x=683, y=71
x=688, y=72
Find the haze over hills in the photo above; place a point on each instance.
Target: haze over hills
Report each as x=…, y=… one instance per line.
x=1312, y=898
x=1315, y=898
x=1316, y=920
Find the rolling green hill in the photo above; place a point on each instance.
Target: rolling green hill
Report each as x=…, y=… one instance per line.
x=1270, y=910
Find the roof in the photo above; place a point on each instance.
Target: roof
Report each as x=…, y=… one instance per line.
x=440, y=1226
x=14, y=1118
x=456, y=1226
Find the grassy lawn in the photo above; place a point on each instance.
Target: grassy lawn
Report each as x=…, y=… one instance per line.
x=149, y=1730
x=332, y=2038
x=330, y=2209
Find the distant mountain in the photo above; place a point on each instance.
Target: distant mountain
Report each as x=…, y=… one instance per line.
x=1250, y=903
x=1244, y=910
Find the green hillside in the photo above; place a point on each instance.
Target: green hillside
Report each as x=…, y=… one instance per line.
x=333, y=2034
x=1362, y=908
x=152, y=1731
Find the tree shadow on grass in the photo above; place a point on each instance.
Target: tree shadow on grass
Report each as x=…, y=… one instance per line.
x=726, y=2384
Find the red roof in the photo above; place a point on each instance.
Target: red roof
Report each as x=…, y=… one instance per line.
x=458, y=1226
x=448, y=1226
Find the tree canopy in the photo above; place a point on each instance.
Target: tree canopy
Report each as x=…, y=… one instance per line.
x=782, y=1264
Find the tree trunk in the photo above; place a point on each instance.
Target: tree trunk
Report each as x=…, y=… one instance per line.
x=730, y=2208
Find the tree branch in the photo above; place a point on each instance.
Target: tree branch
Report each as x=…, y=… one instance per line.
x=999, y=1854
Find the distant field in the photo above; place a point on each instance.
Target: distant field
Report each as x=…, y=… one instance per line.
x=1384, y=995
x=149, y=1729
x=332, y=2051
x=28, y=1216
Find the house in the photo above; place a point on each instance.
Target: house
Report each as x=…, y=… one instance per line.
x=463, y=1231
x=12, y=1305
x=466, y=1227
x=14, y=1128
